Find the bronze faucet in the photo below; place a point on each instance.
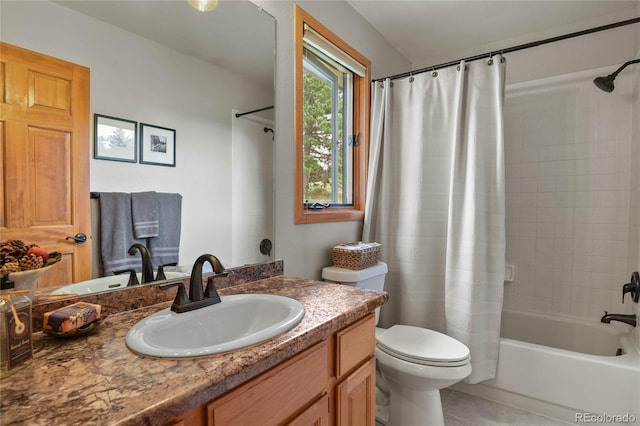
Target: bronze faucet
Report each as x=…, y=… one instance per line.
x=147, y=268
x=197, y=298
x=627, y=319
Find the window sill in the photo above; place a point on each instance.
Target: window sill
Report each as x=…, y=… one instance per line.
x=332, y=214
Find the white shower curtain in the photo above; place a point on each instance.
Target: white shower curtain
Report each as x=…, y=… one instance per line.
x=435, y=201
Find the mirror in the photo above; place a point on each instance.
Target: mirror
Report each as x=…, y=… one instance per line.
x=165, y=64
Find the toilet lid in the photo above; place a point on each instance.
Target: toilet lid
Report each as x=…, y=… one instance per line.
x=423, y=346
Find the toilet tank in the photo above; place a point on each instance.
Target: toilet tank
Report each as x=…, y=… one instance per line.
x=371, y=278
x=368, y=279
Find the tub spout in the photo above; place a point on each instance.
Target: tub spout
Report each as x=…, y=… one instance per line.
x=632, y=319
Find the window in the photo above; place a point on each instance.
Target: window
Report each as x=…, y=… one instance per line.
x=332, y=119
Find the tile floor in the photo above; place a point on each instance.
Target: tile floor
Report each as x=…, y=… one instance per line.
x=461, y=409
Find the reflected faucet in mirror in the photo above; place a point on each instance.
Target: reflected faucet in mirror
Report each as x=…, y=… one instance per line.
x=133, y=276
x=147, y=267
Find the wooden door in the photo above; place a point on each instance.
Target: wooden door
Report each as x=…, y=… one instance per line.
x=356, y=397
x=44, y=169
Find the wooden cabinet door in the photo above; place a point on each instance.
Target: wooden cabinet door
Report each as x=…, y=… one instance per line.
x=356, y=397
x=44, y=164
x=316, y=415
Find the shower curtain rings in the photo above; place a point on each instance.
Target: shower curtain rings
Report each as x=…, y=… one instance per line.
x=434, y=73
x=490, y=61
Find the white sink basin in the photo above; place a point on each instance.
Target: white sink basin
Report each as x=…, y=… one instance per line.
x=238, y=321
x=111, y=282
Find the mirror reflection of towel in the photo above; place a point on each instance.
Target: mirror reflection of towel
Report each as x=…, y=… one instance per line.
x=165, y=248
x=144, y=211
x=116, y=233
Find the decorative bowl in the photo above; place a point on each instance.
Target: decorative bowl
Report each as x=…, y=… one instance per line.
x=27, y=280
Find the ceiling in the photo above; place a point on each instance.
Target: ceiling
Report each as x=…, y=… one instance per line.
x=425, y=32
x=237, y=36
x=429, y=32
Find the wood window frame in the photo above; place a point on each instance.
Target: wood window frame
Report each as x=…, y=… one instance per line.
x=361, y=105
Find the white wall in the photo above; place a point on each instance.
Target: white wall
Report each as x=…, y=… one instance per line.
x=306, y=249
x=252, y=187
x=140, y=80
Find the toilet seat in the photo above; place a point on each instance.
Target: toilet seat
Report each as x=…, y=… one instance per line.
x=422, y=346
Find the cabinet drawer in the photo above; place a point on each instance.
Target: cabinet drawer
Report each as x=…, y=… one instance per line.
x=354, y=344
x=273, y=397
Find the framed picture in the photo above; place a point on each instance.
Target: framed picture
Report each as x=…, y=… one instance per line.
x=115, y=139
x=157, y=145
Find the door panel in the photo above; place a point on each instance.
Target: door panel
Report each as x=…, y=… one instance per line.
x=49, y=92
x=44, y=140
x=50, y=177
x=356, y=397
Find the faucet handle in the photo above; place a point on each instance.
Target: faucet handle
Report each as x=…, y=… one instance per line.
x=133, y=276
x=632, y=287
x=181, y=296
x=160, y=276
x=210, y=292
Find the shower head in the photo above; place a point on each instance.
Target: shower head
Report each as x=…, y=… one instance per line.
x=606, y=83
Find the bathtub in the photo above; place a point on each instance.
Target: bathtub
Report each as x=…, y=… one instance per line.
x=565, y=368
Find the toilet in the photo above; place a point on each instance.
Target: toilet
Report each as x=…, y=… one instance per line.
x=413, y=363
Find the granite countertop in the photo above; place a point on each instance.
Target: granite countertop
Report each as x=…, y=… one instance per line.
x=96, y=379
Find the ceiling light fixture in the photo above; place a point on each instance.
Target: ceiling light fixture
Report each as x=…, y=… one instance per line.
x=204, y=5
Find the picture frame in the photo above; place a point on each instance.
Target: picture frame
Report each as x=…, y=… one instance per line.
x=115, y=139
x=157, y=145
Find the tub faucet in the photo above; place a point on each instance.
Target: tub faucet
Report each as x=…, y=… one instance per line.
x=147, y=268
x=632, y=319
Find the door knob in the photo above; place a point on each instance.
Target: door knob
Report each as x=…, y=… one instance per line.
x=79, y=238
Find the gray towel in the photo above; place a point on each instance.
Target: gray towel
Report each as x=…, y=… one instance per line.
x=165, y=248
x=144, y=210
x=116, y=233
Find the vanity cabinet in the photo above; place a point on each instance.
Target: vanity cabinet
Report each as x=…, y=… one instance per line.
x=276, y=395
x=355, y=391
x=331, y=383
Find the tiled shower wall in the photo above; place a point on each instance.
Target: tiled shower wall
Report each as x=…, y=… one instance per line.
x=568, y=182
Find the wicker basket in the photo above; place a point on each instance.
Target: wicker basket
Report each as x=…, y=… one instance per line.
x=356, y=256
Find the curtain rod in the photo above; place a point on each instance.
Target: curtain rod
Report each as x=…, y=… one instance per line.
x=516, y=48
x=240, y=114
